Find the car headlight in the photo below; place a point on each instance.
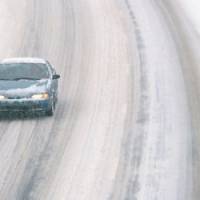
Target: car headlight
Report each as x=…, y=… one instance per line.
x=40, y=96
x=2, y=97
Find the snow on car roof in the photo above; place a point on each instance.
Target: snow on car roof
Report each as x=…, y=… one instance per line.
x=23, y=60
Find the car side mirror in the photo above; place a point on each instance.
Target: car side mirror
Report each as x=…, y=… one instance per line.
x=56, y=76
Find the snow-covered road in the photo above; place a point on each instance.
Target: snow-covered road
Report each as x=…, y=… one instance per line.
x=127, y=122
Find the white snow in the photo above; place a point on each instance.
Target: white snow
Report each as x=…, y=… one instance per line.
x=164, y=171
x=39, y=87
x=79, y=149
x=23, y=60
x=192, y=10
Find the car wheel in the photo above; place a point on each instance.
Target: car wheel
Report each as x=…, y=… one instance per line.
x=50, y=112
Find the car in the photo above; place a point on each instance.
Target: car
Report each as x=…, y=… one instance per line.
x=28, y=84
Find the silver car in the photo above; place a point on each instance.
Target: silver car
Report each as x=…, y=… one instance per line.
x=28, y=84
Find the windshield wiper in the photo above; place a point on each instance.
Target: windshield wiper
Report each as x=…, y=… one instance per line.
x=24, y=78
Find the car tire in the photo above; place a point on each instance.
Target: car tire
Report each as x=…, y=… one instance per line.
x=50, y=112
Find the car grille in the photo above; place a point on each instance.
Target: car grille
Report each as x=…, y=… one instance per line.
x=16, y=97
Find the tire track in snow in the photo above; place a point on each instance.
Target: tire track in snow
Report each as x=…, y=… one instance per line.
x=157, y=176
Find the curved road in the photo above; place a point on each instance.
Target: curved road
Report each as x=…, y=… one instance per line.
x=127, y=122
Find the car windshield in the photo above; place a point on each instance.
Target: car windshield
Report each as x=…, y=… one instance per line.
x=29, y=71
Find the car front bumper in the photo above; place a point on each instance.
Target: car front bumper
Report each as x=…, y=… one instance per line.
x=12, y=105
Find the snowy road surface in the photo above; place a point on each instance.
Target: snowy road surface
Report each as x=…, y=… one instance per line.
x=127, y=122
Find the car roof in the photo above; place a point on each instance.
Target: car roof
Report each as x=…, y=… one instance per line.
x=23, y=60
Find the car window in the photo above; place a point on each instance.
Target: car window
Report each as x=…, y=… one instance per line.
x=24, y=70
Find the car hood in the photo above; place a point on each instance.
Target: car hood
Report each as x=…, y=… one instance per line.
x=23, y=87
